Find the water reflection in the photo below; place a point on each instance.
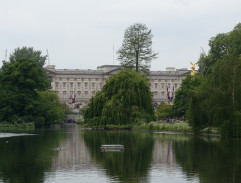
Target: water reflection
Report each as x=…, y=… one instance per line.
x=133, y=164
x=27, y=158
x=213, y=160
x=73, y=154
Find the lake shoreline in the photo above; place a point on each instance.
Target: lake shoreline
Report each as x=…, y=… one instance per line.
x=159, y=127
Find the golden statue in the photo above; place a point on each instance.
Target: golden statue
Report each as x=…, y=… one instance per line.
x=193, y=69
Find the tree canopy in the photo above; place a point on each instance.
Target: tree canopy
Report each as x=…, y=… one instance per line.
x=182, y=95
x=124, y=99
x=163, y=111
x=136, y=50
x=24, y=96
x=217, y=101
x=26, y=52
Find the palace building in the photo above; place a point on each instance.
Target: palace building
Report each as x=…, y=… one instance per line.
x=75, y=86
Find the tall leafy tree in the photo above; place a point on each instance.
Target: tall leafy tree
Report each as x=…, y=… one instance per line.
x=221, y=45
x=21, y=79
x=182, y=95
x=136, y=50
x=24, y=94
x=217, y=101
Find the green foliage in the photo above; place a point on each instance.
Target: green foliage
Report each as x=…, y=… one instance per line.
x=19, y=82
x=125, y=99
x=136, y=51
x=48, y=108
x=217, y=101
x=182, y=95
x=16, y=126
x=221, y=45
x=163, y=111
x=159, y=126
x=23, y=95
x=28, y=53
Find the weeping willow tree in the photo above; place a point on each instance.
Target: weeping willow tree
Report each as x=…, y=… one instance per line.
x=124, y=99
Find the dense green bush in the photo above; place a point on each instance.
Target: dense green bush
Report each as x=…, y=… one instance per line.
x=163, y=111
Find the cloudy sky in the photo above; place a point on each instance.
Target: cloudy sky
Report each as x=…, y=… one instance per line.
x=80, y=34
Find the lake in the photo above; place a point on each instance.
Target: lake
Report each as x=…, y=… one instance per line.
x=72, y=154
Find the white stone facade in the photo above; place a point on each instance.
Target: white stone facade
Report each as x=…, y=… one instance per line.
x=83, y=84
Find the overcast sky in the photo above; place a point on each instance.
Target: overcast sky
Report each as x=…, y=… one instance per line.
x=80, y=34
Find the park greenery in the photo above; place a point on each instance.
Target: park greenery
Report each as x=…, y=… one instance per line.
x=217, y=101
x=180, y=104
x=24, y=91
x=125, y=99
x=212, y=98
x=136, y=50
x=163, y=111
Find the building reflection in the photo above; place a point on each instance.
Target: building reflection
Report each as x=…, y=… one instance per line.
x=72, y=152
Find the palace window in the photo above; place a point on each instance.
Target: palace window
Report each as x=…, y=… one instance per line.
x=156, y=85
x=86, y=94
x=93, y=85
x=155, y=95
x=162, y=85
x=86, y=85
x=56, y=84
x=78, y=95
x=79, y=84
x=100, y=85
x=64, y=84
x=163, y=94
x=71, y=85
x=64, y=95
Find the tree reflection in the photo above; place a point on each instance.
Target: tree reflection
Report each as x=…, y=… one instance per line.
x=26, y=158
x=131, y=165
x=215, y=161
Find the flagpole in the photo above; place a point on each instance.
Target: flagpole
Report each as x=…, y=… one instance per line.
x=113, y=54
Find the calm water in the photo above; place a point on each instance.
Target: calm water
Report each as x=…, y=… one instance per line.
x=73, y=155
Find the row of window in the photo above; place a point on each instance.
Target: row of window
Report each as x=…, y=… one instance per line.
x=82, y=79
x=85, y=94
x=167, y=85
x=166, y=80
x=93, y=85
x=76, y=95
x=163, y=94
x=71, y=84
x=99, y=79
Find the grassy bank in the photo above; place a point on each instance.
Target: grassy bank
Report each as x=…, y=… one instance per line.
x=107, y=127
x=182, y=127
x=160, y=126
x=9, y=126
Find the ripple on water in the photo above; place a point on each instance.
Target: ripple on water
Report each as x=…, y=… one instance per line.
x=4, y=135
